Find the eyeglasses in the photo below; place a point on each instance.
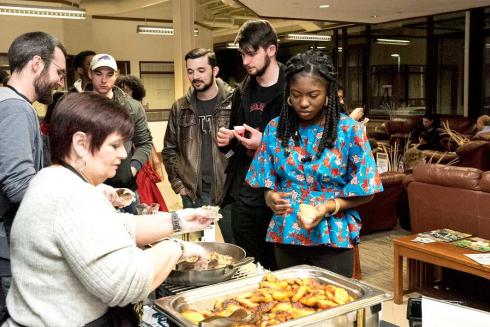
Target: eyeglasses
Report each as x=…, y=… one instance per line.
x=61, y=71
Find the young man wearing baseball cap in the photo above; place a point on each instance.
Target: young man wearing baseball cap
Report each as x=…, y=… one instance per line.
x=103, y=73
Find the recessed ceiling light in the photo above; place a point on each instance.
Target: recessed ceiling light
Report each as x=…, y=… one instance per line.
x=309, y=37
x=393, y=41
x=374, y=16
x=324, y=6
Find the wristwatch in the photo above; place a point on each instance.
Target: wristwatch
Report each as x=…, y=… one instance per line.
x=175, y=222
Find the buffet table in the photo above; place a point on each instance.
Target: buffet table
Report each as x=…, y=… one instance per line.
x=362, y=311
x=421, y=258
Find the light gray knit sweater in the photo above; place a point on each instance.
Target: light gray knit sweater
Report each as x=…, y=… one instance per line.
x=72, y=254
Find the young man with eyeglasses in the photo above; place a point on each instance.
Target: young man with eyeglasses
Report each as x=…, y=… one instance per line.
x=255, y=102
x=38, y=66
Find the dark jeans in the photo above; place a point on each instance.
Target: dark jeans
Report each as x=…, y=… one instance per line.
x=249, y=226
x=340, y=261
x=224, y=223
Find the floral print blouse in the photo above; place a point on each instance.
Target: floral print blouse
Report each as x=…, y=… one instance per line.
x=346, y=170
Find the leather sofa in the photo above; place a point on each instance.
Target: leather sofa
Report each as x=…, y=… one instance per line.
x=449, y=197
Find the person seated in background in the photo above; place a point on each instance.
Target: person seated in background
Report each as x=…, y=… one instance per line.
x=483, y=128
x=430, y=124
x=425, y=142
x=75, y=260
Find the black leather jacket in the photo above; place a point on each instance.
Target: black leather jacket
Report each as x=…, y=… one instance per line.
x=182, y=143
x=239, y=161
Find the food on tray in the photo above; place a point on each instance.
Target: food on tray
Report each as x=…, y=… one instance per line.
x=126, y=196
x=308, y=213
x=213, y=212
x=274, y=302
x=214, y=260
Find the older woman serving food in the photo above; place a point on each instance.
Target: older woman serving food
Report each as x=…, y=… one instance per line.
x=73, y=256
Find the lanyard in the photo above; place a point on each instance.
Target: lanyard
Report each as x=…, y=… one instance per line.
x=73, y=170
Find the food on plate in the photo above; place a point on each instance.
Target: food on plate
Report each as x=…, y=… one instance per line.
x=213, y=212
x=240, y=130
x=274, y=302
x=126, y=196
x=214, y=260
x=308, y=213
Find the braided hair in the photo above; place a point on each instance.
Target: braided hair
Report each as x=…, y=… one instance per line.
x=318, y=65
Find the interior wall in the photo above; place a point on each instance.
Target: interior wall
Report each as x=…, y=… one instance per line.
x=116, y=37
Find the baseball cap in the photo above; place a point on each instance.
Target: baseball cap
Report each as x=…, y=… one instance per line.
x=103, y=60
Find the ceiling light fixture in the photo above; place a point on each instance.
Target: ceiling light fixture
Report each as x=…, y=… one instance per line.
x=393, y=41
x=324, y=6
x=340, y=49
x=309, y=37
x=232, y=45
x=46, y=12
x=158, y=30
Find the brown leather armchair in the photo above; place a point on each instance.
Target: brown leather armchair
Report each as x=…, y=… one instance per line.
x=449, y=197
x=475, y=153
x=383, y=211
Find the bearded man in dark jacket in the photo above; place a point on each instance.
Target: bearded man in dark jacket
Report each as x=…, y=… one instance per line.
x=194, y=164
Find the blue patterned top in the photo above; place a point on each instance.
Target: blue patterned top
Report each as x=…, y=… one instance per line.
x=346, y=170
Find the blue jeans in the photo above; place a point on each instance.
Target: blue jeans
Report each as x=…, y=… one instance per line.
x=224, y=223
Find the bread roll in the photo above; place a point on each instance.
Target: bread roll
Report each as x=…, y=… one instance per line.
x=308, y=213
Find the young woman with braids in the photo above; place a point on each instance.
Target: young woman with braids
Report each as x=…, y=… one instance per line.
x=314, y=154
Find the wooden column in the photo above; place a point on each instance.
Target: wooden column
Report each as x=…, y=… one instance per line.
x=184, y=41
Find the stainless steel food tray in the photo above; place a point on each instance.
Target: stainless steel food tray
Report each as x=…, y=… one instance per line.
x=363, y=311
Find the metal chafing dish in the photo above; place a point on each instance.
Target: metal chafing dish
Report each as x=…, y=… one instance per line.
x=364, y=311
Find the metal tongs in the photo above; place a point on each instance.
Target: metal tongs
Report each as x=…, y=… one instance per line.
x=196, y=265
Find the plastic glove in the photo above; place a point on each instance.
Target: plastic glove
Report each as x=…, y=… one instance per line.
x=193, y=251
x=193, y=220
